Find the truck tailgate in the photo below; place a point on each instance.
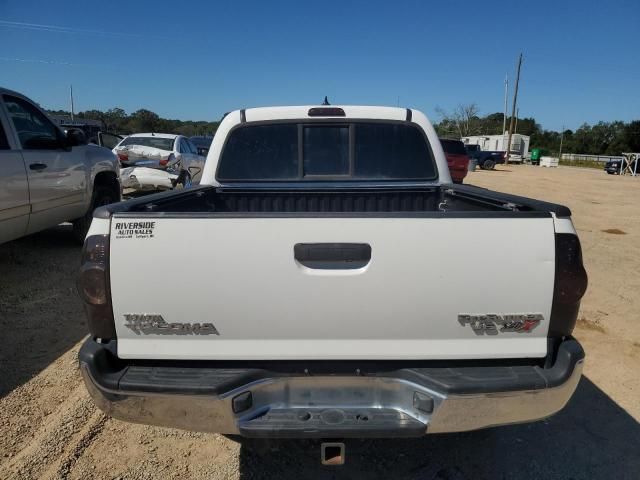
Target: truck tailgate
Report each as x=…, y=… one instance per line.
x=405, y=302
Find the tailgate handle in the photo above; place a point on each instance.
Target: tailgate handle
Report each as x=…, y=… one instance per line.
x=332, y=256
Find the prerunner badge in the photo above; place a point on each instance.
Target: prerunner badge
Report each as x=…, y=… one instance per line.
x=134, y=229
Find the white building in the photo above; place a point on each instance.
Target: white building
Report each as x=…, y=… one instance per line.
x=519, y=144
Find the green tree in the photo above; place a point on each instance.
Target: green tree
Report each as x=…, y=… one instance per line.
x=144, y=121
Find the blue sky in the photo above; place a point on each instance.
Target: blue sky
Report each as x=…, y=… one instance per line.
x=196, y=60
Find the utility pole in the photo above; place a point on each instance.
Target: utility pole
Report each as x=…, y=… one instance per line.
x=513, y=110
x=561, y=138
x=71, y=94
x=504, y=112
x=506, y=94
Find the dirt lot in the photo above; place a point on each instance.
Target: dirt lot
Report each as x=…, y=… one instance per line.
x=50, y=429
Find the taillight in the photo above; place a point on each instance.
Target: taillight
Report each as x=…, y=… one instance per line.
x=123, y=157
x=569, y=287
x=93, y=286
x=169, y=159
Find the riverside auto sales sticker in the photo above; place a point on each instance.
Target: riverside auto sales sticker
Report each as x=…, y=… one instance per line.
x=134, y=229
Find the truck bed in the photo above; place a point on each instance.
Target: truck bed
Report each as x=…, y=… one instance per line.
x=333, y=273
x=449, y=200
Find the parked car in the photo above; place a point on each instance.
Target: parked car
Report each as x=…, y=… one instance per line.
x=486, y=160
x=143, y=179
x=457, y=158
x=612, y=167
x=46, y=176
x=202, y=143
x=326, y=250
x=175, y=155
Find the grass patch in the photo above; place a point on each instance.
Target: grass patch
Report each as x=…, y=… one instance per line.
x=583, y=163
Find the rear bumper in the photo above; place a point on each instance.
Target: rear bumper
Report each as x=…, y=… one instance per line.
x=287, y=401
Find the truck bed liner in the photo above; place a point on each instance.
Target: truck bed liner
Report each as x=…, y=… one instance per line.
x=443, y=200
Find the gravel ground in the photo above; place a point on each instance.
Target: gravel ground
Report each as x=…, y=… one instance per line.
x=50, y=429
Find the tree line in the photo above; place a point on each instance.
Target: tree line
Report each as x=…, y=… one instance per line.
x=116, y=120
x=603, y=138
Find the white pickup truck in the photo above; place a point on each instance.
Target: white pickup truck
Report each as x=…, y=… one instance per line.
x=329, y=287
x=48, y=176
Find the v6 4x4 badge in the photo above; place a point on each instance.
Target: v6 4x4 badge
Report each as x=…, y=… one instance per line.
x=493, y=323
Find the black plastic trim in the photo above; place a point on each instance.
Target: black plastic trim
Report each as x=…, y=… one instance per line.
x=200, y=202
x=558, y=210
x=472, y=214
x=325, y=256
x=409, y=115
x=107, y=211
x=243, y=116
x=218, y=377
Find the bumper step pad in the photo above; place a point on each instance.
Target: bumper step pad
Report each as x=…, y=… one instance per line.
x=332, y=422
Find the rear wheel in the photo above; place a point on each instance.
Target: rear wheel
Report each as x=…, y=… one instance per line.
x=101, y=196
x=489, y=165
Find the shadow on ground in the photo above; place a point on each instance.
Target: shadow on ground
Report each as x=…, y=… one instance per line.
x=41, y=315
x=592, y=438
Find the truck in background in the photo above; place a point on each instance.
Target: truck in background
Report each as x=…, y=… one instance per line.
x=519, y=144
x=487, y=160
x=48, y=176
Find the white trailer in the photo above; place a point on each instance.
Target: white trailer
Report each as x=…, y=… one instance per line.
x=519, y=144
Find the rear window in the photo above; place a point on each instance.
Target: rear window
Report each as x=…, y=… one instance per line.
x=326, y=151
x=155, y=142
x=455, y=147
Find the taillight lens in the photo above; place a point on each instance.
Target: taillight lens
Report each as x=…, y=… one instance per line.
x=93, y=286
x=167, y=160
x=569, y=287
x=123, y=157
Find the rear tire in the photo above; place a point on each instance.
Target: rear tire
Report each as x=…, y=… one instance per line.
x=489, y=165
x=101, y=196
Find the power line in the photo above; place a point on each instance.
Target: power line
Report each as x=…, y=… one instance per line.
x=60, y=29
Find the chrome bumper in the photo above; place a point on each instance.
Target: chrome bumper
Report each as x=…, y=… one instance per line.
x=332, y=405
